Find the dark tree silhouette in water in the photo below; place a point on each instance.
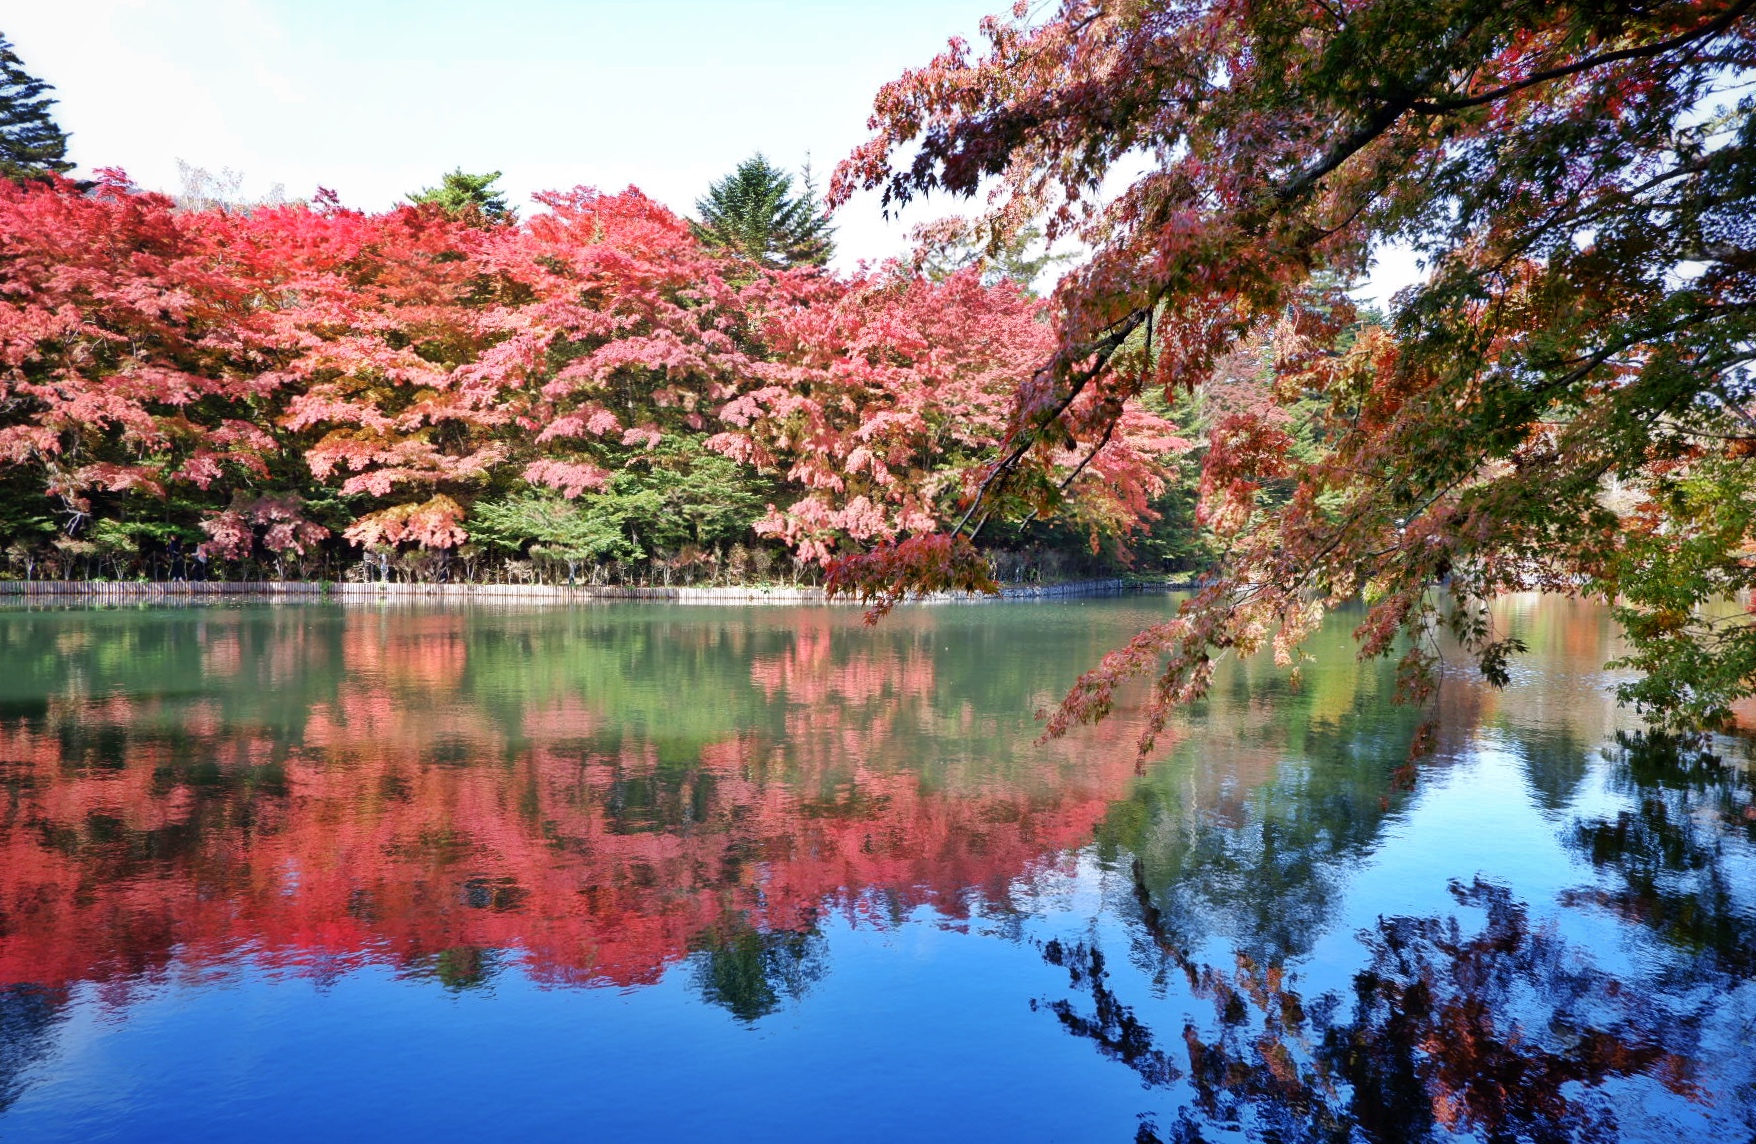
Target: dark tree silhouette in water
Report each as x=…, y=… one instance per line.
x=28, y=1014
x=1504, y=1033
x=1665, y=857
x=751, y=972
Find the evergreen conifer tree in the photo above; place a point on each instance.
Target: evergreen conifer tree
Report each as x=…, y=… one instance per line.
x=458, y=192
x=753, y=212
x=31, y=145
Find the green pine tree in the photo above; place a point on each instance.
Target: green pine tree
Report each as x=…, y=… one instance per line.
x=31, y=145
x=753, y=212
x=459, y=193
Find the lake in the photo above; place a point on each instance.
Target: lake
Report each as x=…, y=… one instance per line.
x=665, y=873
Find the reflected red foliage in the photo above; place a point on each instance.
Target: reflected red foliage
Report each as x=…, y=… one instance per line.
x=401, y=814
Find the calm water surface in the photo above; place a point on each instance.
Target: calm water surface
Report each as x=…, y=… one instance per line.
x=640, y=873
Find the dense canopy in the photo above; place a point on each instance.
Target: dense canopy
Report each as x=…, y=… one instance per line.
x=588, y=390
x=1564, y=402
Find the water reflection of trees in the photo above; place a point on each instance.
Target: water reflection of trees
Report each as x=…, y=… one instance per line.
x=1506, y=1033
x=28, y=1014
x=598, y=799
x=1248, y=832
x=1679, y=859
x=445, y=792
x=1280, y=788
x=751, y=972
x=1502, y=1033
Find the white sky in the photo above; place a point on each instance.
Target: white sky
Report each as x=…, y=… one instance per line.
x=377, y=98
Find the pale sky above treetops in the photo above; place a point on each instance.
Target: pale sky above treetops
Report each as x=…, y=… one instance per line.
x=376, y=98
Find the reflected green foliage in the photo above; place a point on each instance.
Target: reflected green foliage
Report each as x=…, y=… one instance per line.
x=1679, y=859
x=28, y=1016
x=465, y=967
x=1556, y=764
x=751, y=972
x=1249, y=828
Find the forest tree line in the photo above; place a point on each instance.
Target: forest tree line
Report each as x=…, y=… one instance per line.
x=199, y=386
x=444, y=391
x=1564, y=401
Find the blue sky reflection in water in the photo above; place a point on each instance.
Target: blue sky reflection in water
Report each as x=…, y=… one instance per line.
x=623, y=872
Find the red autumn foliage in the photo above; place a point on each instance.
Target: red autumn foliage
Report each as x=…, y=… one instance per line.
x=397, y=367
x=1578, y=183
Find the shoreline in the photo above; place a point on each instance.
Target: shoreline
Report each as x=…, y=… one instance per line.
x=138, y=592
